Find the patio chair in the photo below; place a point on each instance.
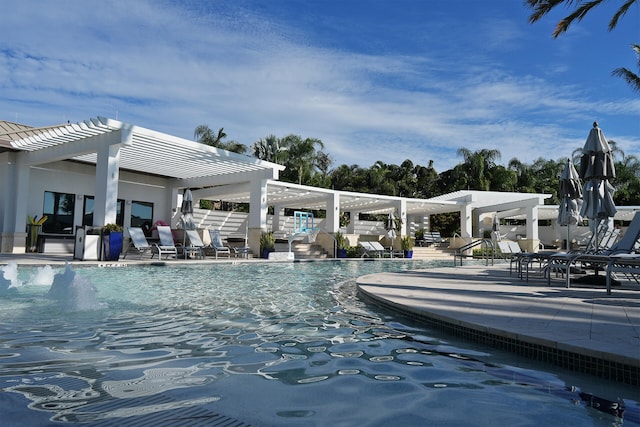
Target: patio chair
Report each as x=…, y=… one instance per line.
x=216, y=244
x=381, y=250
x=166, y=246
x=138, y=242
x=367, y=249
x=195, y=247
x=627, y=265
x=564, y=262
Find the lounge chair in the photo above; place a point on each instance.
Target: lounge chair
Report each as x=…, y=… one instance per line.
x=216, y=244
x=166, y=246
x=138, y=242
x=381, y=250
x=195, y=247
x=606, y=240
x=627, y=265
x=565, y=262
x=368, y=250
x=507, y=252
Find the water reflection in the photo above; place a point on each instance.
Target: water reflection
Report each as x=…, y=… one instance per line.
x=291, y=342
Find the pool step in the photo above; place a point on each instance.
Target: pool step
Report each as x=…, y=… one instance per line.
x=432, y=252
x=303, y=250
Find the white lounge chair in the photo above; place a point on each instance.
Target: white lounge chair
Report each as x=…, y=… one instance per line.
x=138, y=242
x=217, y=245
x=166, y=246
x=195, y=247
x=381, y=250
x=370, y=250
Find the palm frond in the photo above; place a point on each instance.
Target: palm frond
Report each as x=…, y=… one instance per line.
x=629, y=76
x=577, y=15
x=620, y=13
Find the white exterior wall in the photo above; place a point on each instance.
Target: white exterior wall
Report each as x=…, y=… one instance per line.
x=65, y=177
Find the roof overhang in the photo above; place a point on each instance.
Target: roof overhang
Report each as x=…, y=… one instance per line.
x=141, y=150
x=294, y=196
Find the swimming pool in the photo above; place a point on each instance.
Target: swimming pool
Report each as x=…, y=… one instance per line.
x=263, y=344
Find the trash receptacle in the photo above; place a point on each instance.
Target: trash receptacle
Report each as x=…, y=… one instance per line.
x=87, y=243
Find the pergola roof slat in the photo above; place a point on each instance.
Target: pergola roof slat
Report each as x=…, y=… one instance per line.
x=150, y=151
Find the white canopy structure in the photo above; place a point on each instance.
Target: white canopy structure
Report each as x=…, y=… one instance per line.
x=110, y=162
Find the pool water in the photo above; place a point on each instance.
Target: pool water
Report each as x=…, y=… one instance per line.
x=261, y=344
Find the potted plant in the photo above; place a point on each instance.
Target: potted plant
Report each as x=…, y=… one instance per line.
x=420, y=236
x=112, y=241
x=341, y=243
x=407, y=246
x=267, y=244
x=33, y=231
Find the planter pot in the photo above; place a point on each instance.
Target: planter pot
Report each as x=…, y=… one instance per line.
x=408, y=254
x=264, y=253
x=342, y=253
x=33, y=231
x=112, y=245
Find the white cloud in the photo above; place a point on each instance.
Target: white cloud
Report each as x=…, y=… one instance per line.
x=171, y=68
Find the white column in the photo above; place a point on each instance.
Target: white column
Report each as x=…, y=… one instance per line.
x=353, y=217
x=401, y=210
x=21, y=202
x=257, y=212
x=466, y=224
x=532, y=222
x=332, y=223
x=278, y=214
x=106, y=194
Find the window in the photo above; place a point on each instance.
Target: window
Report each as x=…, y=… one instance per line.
x=142, y=216
x=58, y=207
x=87, y=212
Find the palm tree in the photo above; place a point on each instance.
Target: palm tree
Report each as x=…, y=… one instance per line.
x=234, y=147
x=627, y=181
x=478, y=165
x=631, y=78
x=302, y=156
x=543, y=7
x=269, y=149
x=206, y=136
x=324, y=162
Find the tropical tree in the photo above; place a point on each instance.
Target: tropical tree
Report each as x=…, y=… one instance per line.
x=323, y=163
x=345, y=178
x=582, y=8
x=205, y=135
x=629, y=76
x=302, y=157
x=269, y=149
x=543, y=7
x=426, y=180
x=478, y=166
x=627, y=181
x=526, y=178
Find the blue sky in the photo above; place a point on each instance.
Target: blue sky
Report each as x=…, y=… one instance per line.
x=374, y=80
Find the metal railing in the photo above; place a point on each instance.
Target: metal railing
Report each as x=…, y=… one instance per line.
x=486, y=245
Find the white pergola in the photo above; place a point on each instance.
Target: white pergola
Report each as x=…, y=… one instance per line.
x=282, y=195
x=113, y=146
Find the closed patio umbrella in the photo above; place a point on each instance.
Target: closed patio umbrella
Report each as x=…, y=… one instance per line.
x=187, y=210
x=391, y=229
x=571, y=199
x=495, y=229
x=596, y=169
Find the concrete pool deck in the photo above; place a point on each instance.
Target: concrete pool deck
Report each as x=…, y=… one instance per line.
x=581, y=328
